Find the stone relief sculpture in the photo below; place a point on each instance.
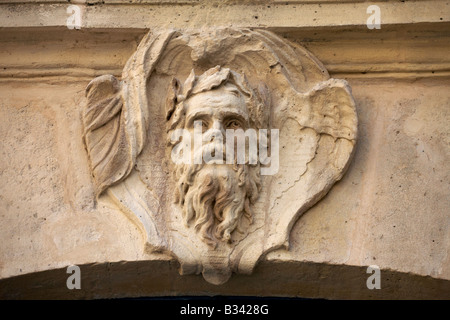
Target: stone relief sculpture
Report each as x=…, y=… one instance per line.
x=214, y=193
x=160, y=143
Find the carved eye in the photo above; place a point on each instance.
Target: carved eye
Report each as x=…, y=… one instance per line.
x=201, y=123
x=233, y=124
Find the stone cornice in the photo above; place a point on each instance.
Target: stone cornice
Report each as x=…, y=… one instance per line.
x=413, y=40
x=396, y=51
x=196, y=14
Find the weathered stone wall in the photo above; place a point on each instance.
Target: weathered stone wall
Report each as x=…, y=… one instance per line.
x=390, y=209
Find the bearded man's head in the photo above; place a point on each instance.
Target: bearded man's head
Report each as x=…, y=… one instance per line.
x=215, y=196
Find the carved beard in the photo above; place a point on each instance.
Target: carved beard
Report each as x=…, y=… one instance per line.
x=215, y=197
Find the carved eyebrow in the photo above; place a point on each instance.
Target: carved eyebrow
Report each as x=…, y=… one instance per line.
x=233, y=90
x=198, y=112
x=235, y=113
x=226, y=112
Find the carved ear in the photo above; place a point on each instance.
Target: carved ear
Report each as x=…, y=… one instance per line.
x=104, y=132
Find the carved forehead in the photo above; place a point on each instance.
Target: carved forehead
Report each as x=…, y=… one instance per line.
x=225, y=100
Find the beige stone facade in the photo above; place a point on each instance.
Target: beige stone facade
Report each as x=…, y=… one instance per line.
x=389, y=209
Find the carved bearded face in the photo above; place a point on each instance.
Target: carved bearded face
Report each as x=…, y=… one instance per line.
x=214, y=196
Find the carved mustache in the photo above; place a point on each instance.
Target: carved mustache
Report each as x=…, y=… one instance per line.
x=211, y=152
x=215, y=152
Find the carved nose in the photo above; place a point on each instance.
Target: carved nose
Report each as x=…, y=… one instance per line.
x=217, y=125
x=217, y=129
